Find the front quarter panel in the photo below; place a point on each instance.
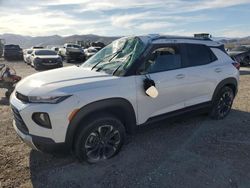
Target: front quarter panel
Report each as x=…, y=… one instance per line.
x=119, y=87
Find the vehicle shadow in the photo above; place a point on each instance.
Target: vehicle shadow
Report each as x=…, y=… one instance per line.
x=165, y=153
x=16, y=60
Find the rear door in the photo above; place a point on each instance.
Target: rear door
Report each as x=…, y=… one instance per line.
x=202, y=69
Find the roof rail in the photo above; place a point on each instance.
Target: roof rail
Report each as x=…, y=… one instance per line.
x=178, y=37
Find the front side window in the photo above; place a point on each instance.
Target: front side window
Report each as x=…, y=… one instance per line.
x=162, y=59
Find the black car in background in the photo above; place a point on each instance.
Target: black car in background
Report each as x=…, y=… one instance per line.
x=12, y=52
x=241, y=54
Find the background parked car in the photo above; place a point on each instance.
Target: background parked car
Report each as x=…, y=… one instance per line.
x=26, y=55
x=56, y=49
x=2, y=42
x=71, y=52
x=45, y=59
x=90, y=52
x=241, y=54
x=12, y=51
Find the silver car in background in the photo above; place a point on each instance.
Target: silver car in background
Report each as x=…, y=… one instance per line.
x=26, y=56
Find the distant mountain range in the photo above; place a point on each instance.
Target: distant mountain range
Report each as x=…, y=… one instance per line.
x=28, y=41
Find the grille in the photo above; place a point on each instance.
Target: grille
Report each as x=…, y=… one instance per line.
x=19, y=121
x=22, y=97
x=75, y=54
x=49, y=61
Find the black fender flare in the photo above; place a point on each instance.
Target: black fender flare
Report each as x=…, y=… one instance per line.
x=125, y=107
x=228, y=81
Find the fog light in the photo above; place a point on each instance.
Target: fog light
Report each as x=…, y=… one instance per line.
x=42, y=119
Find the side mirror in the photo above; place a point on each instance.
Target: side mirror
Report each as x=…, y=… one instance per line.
x=152, y=92
x=150, y=89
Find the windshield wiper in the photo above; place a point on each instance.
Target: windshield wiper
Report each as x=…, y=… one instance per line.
x=111, y=55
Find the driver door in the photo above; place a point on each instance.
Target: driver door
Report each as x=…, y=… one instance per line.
x=164, y=67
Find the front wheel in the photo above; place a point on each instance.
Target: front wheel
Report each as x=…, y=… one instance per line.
x=7, y=94
x=222, y=104
x=100, y=139
x=36, y=67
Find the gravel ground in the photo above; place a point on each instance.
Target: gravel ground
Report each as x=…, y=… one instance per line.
x=194, y=152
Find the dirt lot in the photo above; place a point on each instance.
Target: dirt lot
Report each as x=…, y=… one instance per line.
x=195, y=152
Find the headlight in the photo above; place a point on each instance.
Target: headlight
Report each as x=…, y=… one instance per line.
x=49, y=100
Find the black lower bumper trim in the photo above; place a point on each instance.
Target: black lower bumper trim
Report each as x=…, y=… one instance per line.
x=48, y=145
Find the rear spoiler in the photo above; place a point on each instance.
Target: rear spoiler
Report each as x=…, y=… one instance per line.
x=221, y=47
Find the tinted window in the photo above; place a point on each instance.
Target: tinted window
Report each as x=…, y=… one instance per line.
x=45, y=52
x=163, y=59
x=198, y=55
x=73, y=46
x=11, y=47
x=37, y=47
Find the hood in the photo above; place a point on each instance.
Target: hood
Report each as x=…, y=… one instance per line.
x=61, y=81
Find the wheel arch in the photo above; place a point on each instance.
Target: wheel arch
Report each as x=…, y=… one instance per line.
x=230, y=82
x=119, y=107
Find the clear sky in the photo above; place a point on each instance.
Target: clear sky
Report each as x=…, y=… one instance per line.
x=228, y=18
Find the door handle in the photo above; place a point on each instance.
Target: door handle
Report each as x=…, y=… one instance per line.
x=180, y=76
x=218, y=70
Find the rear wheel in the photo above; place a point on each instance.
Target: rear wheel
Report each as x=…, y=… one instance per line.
x=100, y=139
x=222, y=104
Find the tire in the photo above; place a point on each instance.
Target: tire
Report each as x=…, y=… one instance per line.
x=36, y=67
x=222, y=103
x=92, y=145
x=67, y=59
x=7, y=94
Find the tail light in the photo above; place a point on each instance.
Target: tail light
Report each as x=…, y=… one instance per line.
x=236, y=65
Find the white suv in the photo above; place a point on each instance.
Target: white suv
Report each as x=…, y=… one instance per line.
x=133, y=81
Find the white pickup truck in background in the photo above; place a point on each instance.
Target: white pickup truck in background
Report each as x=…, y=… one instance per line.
x=72, y=52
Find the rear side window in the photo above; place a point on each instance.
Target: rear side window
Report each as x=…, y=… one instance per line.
x=196, y=54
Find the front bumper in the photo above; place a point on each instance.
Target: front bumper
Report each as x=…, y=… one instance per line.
x=38, y=137
x=42, y=65
x=27, y=139
x=40, y=143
